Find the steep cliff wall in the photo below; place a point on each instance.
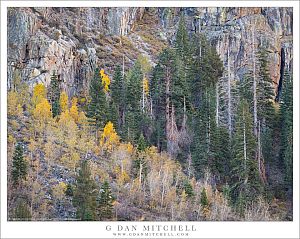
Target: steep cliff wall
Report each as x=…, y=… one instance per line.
x=72, y=41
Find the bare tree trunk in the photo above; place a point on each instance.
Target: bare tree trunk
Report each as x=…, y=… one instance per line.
x=217, y=104
x=229, y=94
x=123, y=90
x=254, y=84
x=189, y=165
x=168, y=106
x=141, y=170
x=143, y=96
x=162, y=194
x=245, y=142
x=260, y=161
x=208, y=126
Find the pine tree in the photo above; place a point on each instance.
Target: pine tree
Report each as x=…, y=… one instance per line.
x=118, y=96
x=286, y=112
x=261, y=97
x=170, y=98
x=220, y=152
x=85, y=194
x=265, y=90
x=142, y=144
x=246, y=183
x=188, y=189
x=133, y=116
x=182, y=39
x=105, y=202
x=207, y=69
x=54, y=95
x=157, y=89
x=98, y=106
x=19, y=165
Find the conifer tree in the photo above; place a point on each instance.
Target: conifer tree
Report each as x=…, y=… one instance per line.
x=118, y=96
x=133, y=116
x=246, y=183
x=182, y=39
x=85, y=194
x=265, y=90
x=220, y=152
x=188, y=189
x=207, y=69
x=54, y=95
x=98, y=106
x=105, y=202
x=286, y=112
x=142, y=144
x=19, y=165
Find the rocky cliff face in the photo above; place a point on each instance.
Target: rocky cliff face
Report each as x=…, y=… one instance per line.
x=72, y=41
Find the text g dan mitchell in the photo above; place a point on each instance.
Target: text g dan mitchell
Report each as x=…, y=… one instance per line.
x=151, y=228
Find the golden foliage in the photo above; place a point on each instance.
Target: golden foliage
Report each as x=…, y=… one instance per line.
x=11, y=139
x=74, y=110
x=146, y=86
x=39, y=93
x=65, y=118
x=63, y=101
x=68, y=128
x=42, y=111
x=109, y=137
x=105, y=80
x=13, y=106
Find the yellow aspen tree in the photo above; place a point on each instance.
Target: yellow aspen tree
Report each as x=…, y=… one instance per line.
x=42, y=111
x=74, y=110
x=146, y=86
x=14, y=108
x=105, y=80
x=109, y=137
x=39, y=93
x=69, y=128
x=63, y=101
